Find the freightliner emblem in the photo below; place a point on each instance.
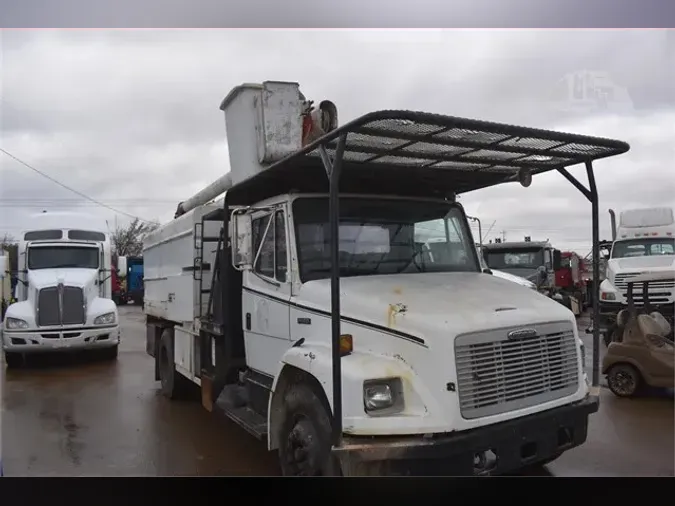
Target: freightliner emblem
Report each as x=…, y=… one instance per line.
x=522, y=334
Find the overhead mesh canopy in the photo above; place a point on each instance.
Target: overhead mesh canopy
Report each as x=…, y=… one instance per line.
x=421, y=154
x=412, y=139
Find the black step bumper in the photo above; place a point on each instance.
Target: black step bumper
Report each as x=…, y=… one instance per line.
x=506, y=446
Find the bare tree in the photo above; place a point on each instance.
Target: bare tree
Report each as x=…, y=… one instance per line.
x=128, y=241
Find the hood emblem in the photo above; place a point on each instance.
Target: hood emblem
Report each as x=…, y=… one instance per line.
x=522, y=334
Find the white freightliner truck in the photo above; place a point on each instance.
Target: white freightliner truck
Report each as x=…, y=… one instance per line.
x=64, y=299
x=312, y=317
x=644, y=241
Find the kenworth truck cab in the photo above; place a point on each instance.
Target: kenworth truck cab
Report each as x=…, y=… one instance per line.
x=644, y=241
x=64, y=294
x=312, y=317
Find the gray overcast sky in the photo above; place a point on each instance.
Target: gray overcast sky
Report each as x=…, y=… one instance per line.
x=131, y=118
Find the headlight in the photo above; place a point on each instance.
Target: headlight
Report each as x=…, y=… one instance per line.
x=105, y=319
x=16, y=323
x=607, y=296
x=383, y=396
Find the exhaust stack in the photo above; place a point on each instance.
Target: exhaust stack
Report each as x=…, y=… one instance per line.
x=612, y=217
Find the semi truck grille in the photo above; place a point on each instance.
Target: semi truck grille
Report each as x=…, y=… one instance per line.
x=496, y=374
x=69, y=311
x=659, y=291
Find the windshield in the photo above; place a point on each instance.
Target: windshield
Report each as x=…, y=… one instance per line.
x=380, y=236
x=530, y=258
x=643, y=247
x=54, y=257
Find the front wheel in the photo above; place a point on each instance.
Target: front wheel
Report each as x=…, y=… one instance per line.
x=624, y=380
x=305, y=439
x=13, y=359
x=111, y=353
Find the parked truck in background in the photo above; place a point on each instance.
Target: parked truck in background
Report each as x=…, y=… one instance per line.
x=134, y=277
x=644, y=241
x=542, y=264
x=311, y=316
x=118, y=279
x=64, y=291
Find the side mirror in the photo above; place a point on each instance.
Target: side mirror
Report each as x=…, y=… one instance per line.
x=3, y=266
x=542, y=274
x=121, y=266
x=557, y=260
x=241, y=242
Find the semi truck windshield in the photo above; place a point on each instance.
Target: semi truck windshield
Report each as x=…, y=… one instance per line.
x=55, y=257
x=521, y=258
x=643, y=247
x=381, y=236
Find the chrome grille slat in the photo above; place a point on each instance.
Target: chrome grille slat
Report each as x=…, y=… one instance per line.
x=496, y=375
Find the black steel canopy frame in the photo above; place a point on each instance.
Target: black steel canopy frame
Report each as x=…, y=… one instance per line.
x=462, y=153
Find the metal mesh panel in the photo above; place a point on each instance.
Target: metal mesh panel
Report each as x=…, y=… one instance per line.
x=440, y=142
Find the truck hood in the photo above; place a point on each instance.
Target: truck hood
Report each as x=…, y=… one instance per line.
x=522, y=272
x=514, y=279
x=639, y=264
x=70, y=277
x=435, y=303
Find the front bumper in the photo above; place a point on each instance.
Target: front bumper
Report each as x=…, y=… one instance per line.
x=506, y=446
x=60, y=340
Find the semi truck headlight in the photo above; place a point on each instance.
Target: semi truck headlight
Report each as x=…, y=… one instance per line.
x=16, y=323
x=607, y=296
x=383, y=396
x=105, y=319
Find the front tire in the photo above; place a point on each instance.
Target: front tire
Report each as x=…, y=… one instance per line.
x=624, y=380
x=13, y=360
x=111, y=353
x=305, y=438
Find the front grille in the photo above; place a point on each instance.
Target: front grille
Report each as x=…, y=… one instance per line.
x=659, y=291
x=67, y=311
x=496, y=375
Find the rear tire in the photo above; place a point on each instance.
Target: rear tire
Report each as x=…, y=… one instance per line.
x=174, y=385
x=305, y=437
x=624, y=380
x=13, y=360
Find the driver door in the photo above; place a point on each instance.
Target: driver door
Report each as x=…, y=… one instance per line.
x=267, y=293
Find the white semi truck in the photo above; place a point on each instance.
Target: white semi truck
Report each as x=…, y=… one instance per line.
x=644, y=241
x=308, y=313
x=64, y=299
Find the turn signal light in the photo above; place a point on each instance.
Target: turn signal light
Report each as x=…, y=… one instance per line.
x=346, y=344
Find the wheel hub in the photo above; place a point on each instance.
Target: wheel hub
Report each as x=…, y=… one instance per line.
x=301, y=448
x=624, y=382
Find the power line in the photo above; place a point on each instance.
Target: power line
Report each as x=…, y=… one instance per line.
x=87, y=197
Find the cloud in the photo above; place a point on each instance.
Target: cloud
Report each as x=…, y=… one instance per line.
x=131, y=117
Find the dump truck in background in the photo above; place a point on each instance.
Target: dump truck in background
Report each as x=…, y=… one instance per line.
x=557, y=274
x=643, y=242
x=311, y=317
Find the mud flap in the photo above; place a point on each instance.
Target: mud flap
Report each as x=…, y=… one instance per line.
x=207, y=392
